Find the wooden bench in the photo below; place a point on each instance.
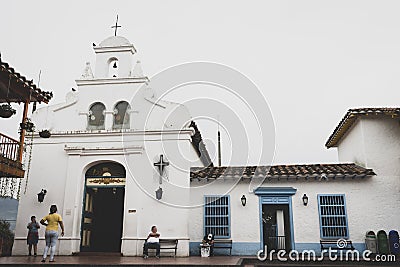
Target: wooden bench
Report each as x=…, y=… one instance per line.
x=168, y=244
x=223, y=244
x=325, y=244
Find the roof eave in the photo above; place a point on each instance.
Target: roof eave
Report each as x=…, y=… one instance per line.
x=350, y=118
x=25, y=89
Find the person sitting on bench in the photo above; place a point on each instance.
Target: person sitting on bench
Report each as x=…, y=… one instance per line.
x=209, y=240
x=152, y=241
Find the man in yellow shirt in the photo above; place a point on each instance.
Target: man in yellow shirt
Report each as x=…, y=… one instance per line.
x=53, y=220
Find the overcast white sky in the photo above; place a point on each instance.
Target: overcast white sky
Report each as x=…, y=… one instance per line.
x=311, y=59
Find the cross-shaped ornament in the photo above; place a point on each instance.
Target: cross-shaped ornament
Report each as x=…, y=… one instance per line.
x=116, y=26
x=161, y=164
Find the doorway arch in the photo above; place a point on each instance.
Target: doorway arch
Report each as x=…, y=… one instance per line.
x=103, y=207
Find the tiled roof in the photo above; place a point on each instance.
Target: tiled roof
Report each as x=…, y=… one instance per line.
x=342, y=170
x=20, y=88
x=351, y=117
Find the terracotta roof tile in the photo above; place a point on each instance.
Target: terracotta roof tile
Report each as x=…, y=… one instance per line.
x=342, y=170
x=351, y=117
x=8, y=74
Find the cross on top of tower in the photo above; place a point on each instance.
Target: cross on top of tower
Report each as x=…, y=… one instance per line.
x=116, y=26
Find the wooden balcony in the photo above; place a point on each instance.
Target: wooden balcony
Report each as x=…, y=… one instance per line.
x=10, y=163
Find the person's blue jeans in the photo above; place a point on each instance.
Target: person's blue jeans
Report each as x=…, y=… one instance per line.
x=51, y=241
x=154, y=245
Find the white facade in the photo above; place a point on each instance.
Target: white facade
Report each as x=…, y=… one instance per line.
x=59, y=164
x=375, y=143
x=370, y=203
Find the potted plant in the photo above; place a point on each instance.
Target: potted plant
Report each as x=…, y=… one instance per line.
x=6, y=111
x=27, y=125
x=44, y=133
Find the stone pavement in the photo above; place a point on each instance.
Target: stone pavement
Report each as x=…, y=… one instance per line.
x=116, y=260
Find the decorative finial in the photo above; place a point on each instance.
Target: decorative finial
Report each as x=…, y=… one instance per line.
x=87, y=72
x=137, y=71
x=116, y=26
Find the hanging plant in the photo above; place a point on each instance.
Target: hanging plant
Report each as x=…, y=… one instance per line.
x=6, y=111
x=27, y=125
x=28, y=160
x=44, y=133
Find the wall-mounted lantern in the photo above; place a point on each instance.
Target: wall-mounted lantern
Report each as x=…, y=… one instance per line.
x=243, y=200
x=305, y=200
x=40, y=196
x=159, y=193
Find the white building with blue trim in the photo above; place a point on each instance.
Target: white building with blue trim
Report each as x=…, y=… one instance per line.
x=101, y=166
x=294, y=207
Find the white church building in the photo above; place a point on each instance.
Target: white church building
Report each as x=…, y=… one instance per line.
x=118, y=161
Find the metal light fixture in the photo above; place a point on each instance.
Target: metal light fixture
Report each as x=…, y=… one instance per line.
x=159, y=193
x=243, y=200
x=41, y=195
x=305, y=199
x=115, y=65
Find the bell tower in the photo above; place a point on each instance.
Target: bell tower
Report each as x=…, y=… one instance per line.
x=114, y=58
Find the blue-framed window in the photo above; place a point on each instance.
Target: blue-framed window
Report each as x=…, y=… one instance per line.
x=217, y=216
x=333, y=216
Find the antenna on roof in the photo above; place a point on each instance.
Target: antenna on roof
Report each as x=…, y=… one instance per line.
x=38, y=84
x=219, y=144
